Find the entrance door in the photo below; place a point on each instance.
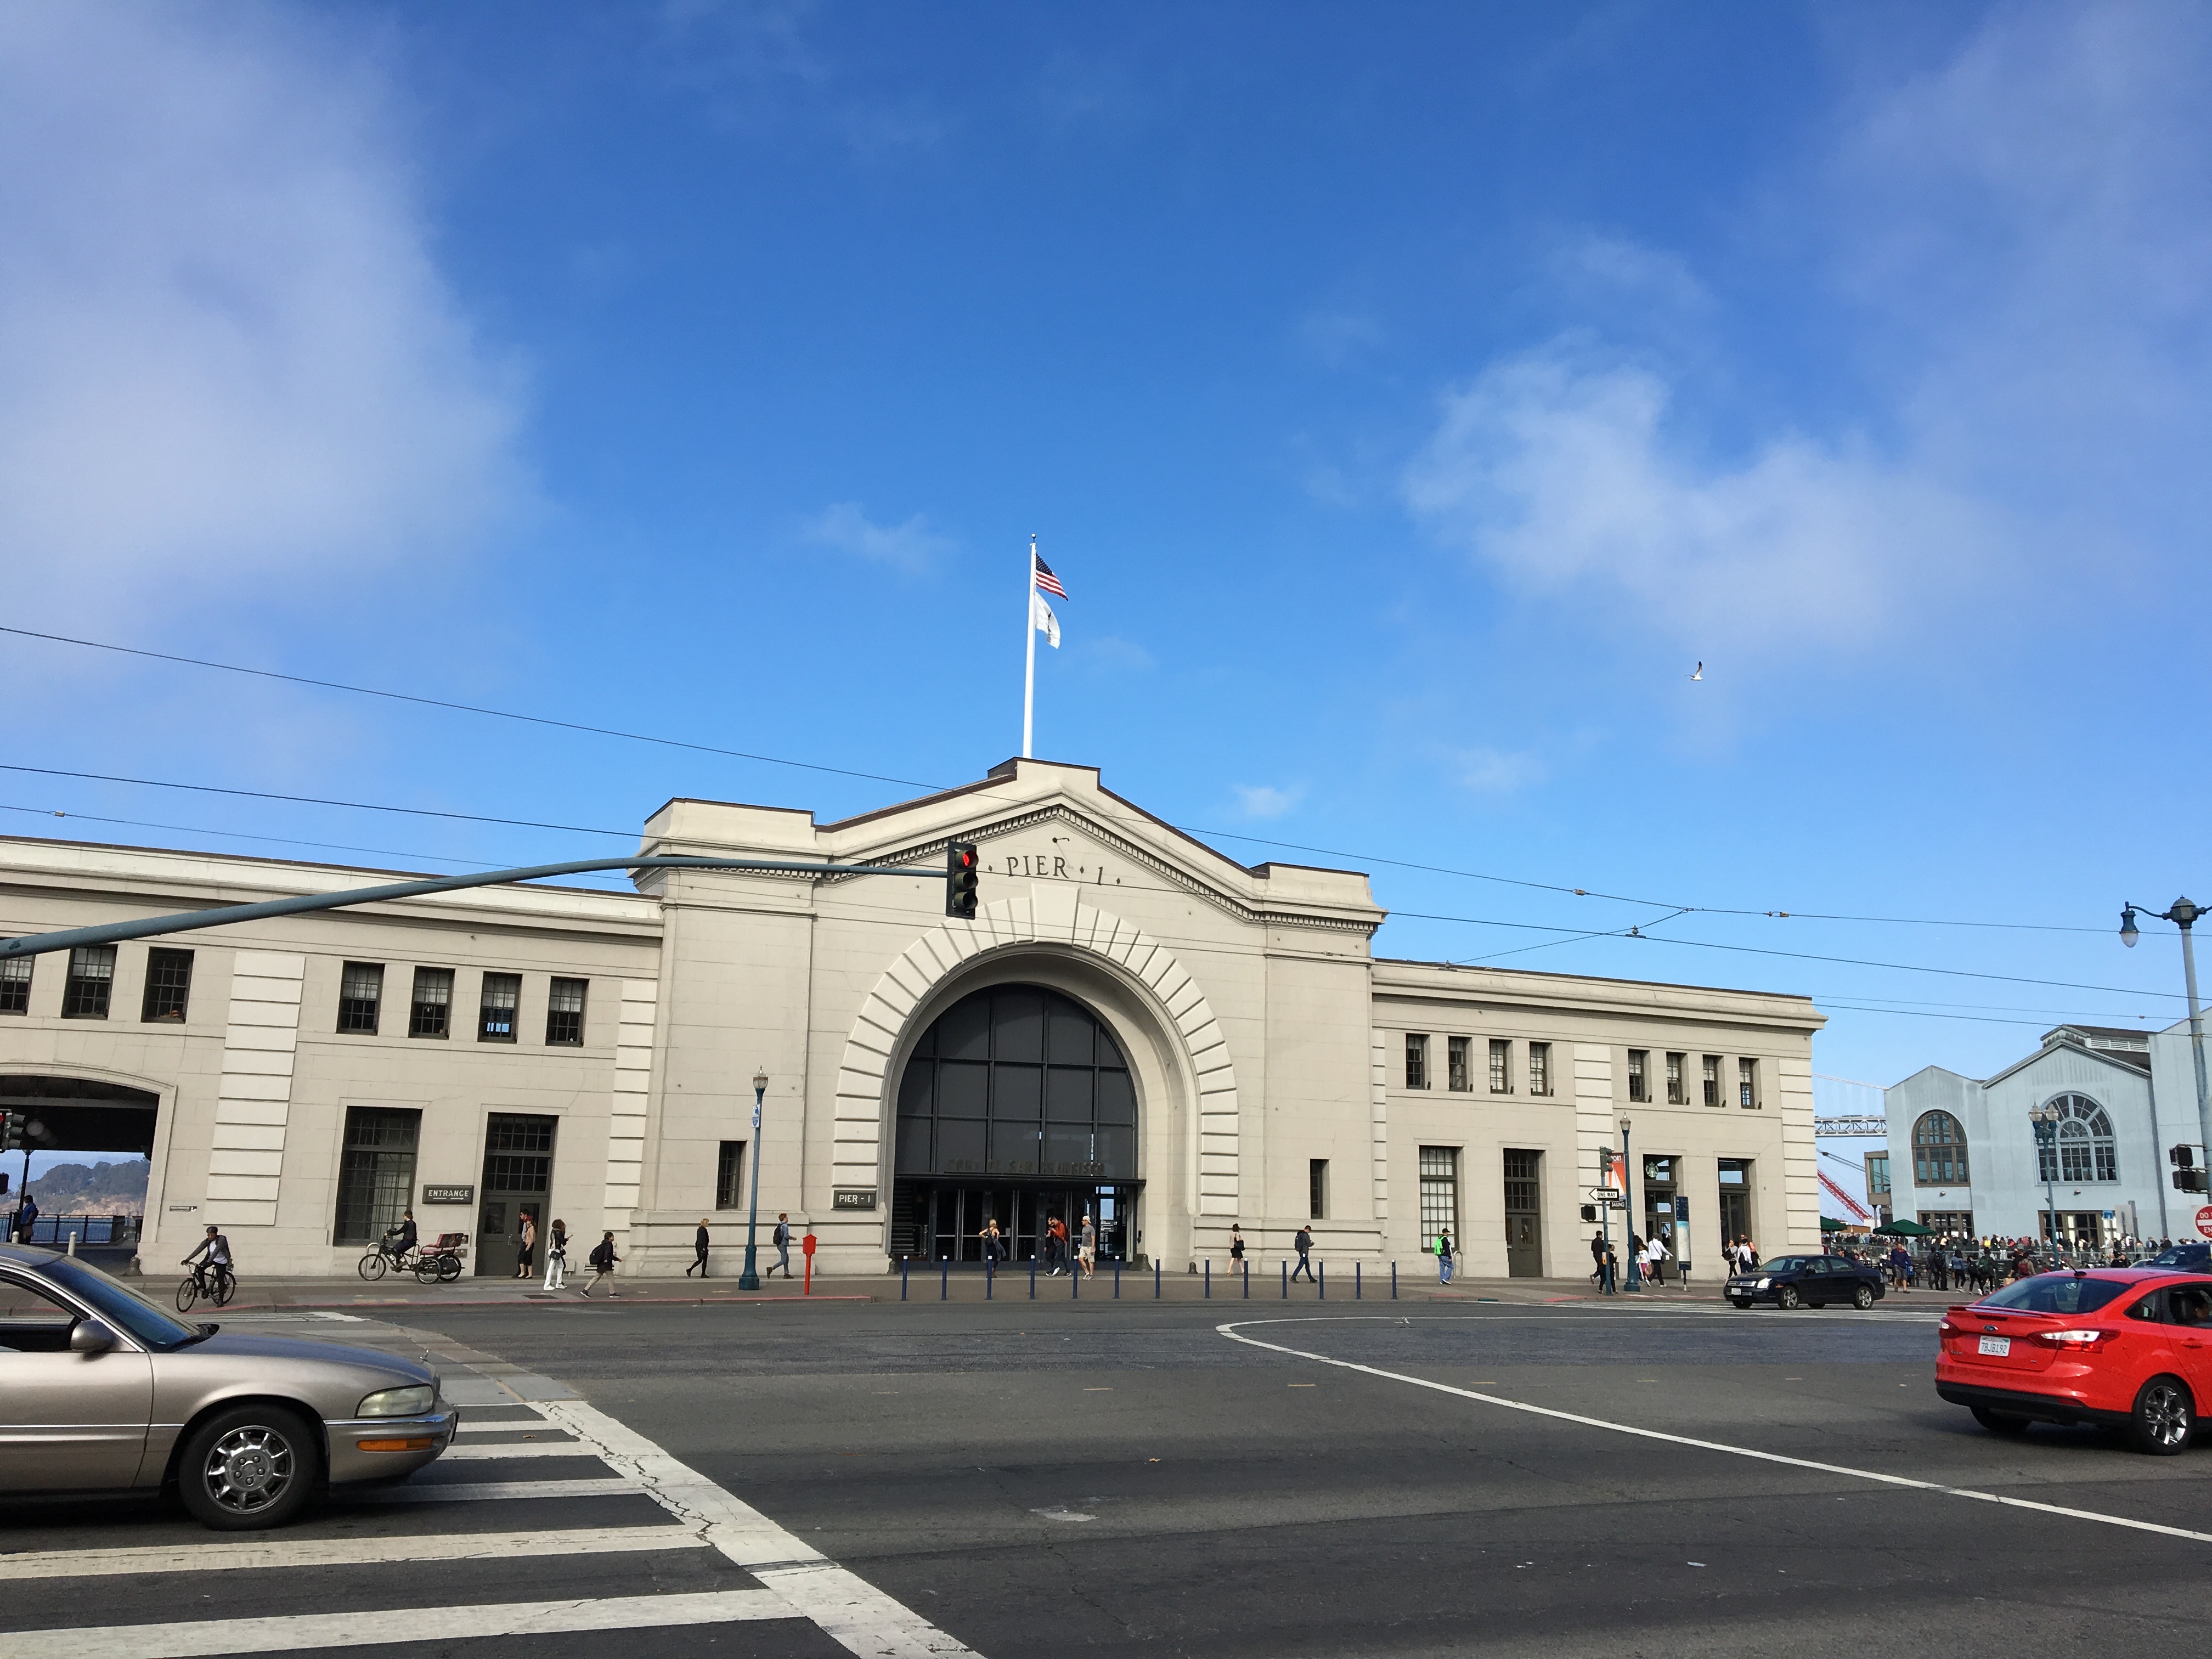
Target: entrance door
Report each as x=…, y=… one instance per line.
x=1736, y=1200
x=1524, y=1220
x=1659, y=1207
x=518, y=1173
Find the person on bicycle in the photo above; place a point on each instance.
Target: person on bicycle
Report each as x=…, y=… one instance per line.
x=402, y=1238
x=216, y=1250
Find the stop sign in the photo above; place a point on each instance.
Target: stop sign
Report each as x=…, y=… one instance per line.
x=2204, y=1221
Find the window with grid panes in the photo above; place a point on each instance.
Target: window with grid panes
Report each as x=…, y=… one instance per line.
x=730, y=1176
x=1439, y=1196
x=1460, y=1078
x=1678, y=1093
x=1747, y=1083
x=1417, y=1060
x=430, y=1014
x=495, y=1014
x=15, y=985
x=376, y=1172
x=1639, y=1085
x=1539, y=1068
x=361, y=993
x=1712, y=1079
x=91, y=982
x=168, y=986
x=564, y=1013
x=1501, y=1066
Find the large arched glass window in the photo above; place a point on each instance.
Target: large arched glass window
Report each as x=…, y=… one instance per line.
x=1939, y=1151
x=2083, y=1150
x=1017, y=1080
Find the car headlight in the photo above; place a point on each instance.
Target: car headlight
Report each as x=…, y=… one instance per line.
x=411, y=1401
x=1763, y=1284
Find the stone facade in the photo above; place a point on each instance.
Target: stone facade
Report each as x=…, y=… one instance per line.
x=1267, y=1047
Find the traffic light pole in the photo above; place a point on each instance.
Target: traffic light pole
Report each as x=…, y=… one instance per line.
x=191, y=921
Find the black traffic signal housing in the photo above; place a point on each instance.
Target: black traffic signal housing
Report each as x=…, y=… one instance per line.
x=1589, y=1212
x=13, y=1127
x=2187, y=1177
x=963, y=874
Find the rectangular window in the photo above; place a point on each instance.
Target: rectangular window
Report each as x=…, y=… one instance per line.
x=495, y=1015
x=1746, y=1085
x=1501, y=1066
x=168, y=986
x=564, y=1013
x=1712, y=1079
x=1317, y=1189
x=1678, y=1090
x=91, y=981
x=1417, y=1060
x=1461, y=1080
x=1539, y=1068
x=431, y=1013
x=376, y=1172
x=1877, y=1169
x=1639, y=1086
x=1439, y=1196
x=15, y=985
x=360, y=991
x=730, y=1176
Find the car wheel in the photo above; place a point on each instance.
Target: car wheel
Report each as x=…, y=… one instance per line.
x=1787, y=1298
x=2163, y=1417
x=1862, y=1297
x=374, y=1266
x=1999, y=1422
x=251, y=1465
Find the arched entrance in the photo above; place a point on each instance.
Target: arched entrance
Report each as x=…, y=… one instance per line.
x=69, y=1121
x=1016, y=1105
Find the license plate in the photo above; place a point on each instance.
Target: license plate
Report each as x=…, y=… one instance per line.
x=1996, y=1346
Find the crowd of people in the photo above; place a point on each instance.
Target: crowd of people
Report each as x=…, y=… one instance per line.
x=1957, y=1261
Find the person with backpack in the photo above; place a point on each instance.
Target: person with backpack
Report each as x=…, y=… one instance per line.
x=782, y=1238
x=1302, y=1243
x=603, y=1259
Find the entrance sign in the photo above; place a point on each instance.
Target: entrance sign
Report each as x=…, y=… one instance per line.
x=2204, y=1221
x=449, y=1194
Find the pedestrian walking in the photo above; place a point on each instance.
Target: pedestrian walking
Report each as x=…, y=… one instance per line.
x=1055, y=1239
x=1089, y=1245
x=699, y=1241
x=1443, y=1257
x=782, y=1237
x=603, y=1259
x=1655, y=1257
x=994, y=1242
x=1612, y=1269
x=556, y=1256
x=1597, y=1260
x=525, y=1262
x=27, y=1217
x=1236, y=1246
x=1302, y=1243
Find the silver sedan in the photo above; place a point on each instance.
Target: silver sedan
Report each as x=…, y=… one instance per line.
x=100, y=1390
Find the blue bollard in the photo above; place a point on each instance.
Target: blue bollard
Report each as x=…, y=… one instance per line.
x=1117, y=1279
x=1156, y=1278
x=1321, y=1283
x=1032, y=1275
x=944, y=1277
x=1355, y=1281
x=990, y=1273
x=903, y=1263
x=1074, y=1282
x=1394, y=1281
x=1248, y=1281
x=1287, y=1279
x=1209, y=1278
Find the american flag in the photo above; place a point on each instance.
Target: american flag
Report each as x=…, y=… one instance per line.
x=1046, y=580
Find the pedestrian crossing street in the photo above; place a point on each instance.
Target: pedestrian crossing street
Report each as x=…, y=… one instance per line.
x=546, y=1529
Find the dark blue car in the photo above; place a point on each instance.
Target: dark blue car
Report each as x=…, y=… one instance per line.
x=1808, y=1281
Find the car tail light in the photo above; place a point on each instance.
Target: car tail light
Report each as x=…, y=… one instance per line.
x=1945, y=1328
x=2074, y=1341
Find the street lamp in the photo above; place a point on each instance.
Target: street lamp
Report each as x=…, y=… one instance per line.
x=750, y=1280
x=1628, y=1212
x=2183, y=915
x=2045, y=1118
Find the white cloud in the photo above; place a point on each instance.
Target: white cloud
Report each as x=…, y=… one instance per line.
x=911, y=546
x=230, y=369
x=1495, y=771
x=1263, y=801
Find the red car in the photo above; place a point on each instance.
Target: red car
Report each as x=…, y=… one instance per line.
x=2127, y=1347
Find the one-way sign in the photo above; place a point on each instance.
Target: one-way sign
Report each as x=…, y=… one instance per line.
x=1602, y=1194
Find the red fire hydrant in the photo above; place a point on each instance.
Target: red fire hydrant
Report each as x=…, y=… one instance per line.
x=807, y=1244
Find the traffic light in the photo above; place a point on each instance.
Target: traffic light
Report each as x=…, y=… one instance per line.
x=962, y=875
x=12, y=1128
x=2187, y=1177
x=1589, y=1212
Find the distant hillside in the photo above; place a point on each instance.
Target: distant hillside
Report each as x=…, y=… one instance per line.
x=100, y=1189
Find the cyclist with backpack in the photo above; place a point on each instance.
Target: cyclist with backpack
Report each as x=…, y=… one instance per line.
x=213, y=1253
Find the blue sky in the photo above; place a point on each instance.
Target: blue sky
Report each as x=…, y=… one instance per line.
x=1408, y=400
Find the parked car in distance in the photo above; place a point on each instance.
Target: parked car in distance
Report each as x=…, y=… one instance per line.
x=2127, y=1347
x=2195, y=1257
x=1808, y=1281
x=102, y=1391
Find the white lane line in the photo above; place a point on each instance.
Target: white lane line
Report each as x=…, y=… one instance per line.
x=849, y=1609
x=342, y=1551
x=442, y=1624
x=476, y=1451
x=529, y=1425
x=1230, y=1331
x=347, y=1319
x=470, y=1491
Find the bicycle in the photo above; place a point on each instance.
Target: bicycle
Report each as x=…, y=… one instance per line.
x=381, y=1260
x=194, y=1287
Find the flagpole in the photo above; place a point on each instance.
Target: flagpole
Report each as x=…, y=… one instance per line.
x=1028, y=673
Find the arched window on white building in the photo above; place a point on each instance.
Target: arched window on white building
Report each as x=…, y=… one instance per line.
x=1939, y=1151
x=2084, y=1150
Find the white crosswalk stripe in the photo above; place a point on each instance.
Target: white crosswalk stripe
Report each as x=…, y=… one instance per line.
x=795, y=1581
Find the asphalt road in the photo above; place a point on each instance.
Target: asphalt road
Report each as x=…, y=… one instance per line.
x=1044, y=1478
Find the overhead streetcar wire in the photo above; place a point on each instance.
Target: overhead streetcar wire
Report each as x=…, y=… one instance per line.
x=586, y=728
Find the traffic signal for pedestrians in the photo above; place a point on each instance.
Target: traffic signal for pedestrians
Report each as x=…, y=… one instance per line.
x=12, y=1127
x=962, y=877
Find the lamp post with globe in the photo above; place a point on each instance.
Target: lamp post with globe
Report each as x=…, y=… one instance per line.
x=750, y=1280
x=2045, y=1119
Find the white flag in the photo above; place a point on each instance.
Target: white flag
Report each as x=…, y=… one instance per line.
x=1041, y=617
